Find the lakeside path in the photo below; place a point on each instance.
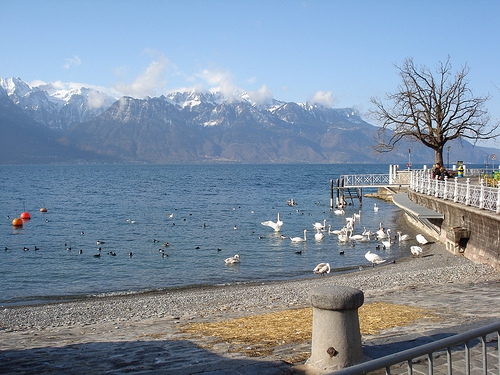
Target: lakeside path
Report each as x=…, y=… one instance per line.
x=138, y=334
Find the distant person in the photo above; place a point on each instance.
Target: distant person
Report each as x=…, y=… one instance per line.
x=436, y=171
x=443, y=173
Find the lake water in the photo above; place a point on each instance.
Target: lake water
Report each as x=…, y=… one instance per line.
x=195, y=208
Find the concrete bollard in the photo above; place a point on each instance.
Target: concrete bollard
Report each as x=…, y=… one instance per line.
x=336, y=336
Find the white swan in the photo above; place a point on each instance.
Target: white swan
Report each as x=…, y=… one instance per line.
x=322, y=269
x=356, y=237
x=334, y=231
x=339, y=211
x=416, y=250
x=300, y=239
x=374, y=258
x=387, y=242
x=403, y=237
x=375, y=207
x=233, y=260
x=421, y=239
x=357, y=215
x=319, y=235
x=343, y=236
x=276, y=226
x=320, y=226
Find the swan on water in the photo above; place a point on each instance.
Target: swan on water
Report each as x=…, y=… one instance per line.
x=357, y=215
x=375, y=207
x=387, y=242
x=339, y=211
x=343, y=236
x=421, y=239
x=276, y=226
x=320, y=226
x=374, y=258
x=403, y=237
x=300, y=239
x=416, y=250
x=233, y=260
x=319, y=235
x=356, y=237
x=334, y=231
x=322, y=269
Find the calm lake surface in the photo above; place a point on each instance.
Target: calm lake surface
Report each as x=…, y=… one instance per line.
x=195, y=208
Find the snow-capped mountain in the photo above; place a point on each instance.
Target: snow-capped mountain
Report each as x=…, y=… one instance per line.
x=57, y=108
x=191, y=127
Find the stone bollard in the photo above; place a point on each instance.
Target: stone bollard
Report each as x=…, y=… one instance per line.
x=336, y=337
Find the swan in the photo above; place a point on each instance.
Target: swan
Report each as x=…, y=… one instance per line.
x=403, y=237
x=374, y=258
x=375, y=207
x=335, y=231
x=276, y=226
x=343, y=236
x=387, y=243
x=356, y=237
x=322, y=269
x=416, y=250
x=300, y=239
x=421, y=239
x=319, y=235
x=339, y=211
x=381, y=233
x=357, y=215
x=233, y=260
x=320, y=226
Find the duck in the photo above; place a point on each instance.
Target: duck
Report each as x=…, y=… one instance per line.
x=300, y=239
x=322, y=269
x=233, y=260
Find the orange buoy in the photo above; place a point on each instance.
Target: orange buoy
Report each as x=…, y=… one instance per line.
x=17, y=222
x=43, y=209
x=25, y=215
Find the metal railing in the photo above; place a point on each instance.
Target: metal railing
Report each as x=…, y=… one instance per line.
x=474, y=195
x=376, y=180
x=426, y=355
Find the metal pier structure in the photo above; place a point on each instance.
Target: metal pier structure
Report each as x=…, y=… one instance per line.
x=348, y=187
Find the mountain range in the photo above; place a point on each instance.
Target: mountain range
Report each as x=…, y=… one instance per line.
x=47, y=124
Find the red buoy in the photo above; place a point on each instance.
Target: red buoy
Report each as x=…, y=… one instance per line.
x=43, y=209
x=17, y=222
x=25, y=215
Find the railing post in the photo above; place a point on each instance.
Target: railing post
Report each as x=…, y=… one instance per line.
x=481, y=195
x=498, y=198
x=467, y=192
x=455, y=192
x=445, y=191
x=436, y=188
x=429, y=182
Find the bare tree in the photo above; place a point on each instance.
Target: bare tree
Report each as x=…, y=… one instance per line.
x=432, y=110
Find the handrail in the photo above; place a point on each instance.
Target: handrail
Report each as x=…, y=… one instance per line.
x=479, y=196
x=426, y=349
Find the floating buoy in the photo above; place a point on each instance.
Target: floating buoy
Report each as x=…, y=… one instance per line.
x=43, y=209
x=25, y=215
x=17, y=222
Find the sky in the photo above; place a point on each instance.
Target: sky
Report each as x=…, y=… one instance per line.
x=332, y=52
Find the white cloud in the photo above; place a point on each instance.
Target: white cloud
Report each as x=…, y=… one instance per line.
x=220, y=81
x=323, y=97
x=148, y=83
x=261, y=96
x=68, y=62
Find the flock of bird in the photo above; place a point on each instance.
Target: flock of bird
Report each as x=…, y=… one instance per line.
x=346, y=235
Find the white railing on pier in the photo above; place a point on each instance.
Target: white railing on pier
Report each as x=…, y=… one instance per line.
x=474, y=195
x=394, y=178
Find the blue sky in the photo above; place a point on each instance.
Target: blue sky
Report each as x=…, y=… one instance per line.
x=338, y=53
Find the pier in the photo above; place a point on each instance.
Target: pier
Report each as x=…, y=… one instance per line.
x=348, y=187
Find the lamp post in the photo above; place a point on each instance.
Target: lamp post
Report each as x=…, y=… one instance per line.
x=448, y=163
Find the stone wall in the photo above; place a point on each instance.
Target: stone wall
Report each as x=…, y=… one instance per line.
x=465, y=230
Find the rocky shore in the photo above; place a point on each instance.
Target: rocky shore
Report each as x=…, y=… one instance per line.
x=138, y=333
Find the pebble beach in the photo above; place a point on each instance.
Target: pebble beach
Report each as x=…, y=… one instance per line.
x=138, y=333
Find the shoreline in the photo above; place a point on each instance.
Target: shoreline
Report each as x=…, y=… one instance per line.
x=146, y=327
